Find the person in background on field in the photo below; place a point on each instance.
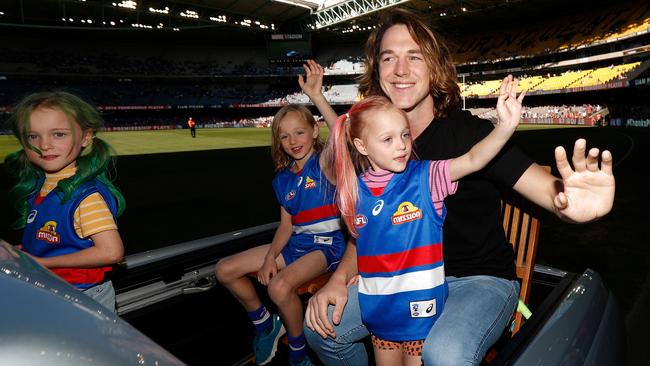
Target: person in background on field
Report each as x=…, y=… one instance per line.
x=67, y=204
x=192, y=125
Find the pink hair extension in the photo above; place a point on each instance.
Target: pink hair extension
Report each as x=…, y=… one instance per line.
x=348, y=162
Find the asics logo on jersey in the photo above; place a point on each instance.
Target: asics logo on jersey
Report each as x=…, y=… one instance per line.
x=32, y=216
x=377, y=208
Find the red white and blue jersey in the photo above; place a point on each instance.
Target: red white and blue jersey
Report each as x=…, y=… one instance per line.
x=402, y=286
x=49, y=231
x=310, y=200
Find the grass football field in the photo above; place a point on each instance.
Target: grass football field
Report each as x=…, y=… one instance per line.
x=163, y=141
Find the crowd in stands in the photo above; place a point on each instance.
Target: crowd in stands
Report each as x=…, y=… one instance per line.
x=151, y=78
x=15, y=59
x=562, y=33
x=214, y=93
x=586, y=114
x=148, y=60
x=569, y=79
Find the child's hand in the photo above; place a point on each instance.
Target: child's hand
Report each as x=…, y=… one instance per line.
x=267, y=271
x=353, y=281
x=508, y=104
x=313, y=83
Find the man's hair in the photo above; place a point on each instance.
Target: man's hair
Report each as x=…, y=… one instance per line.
x=443, y=85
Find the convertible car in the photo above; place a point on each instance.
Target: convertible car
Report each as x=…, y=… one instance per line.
x=172, y=312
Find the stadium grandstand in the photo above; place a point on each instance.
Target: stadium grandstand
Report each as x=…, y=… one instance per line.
x=234, y=60
x=150, y=64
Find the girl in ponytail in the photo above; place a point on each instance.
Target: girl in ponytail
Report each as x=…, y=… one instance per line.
x=67, y=204
x=394, y=207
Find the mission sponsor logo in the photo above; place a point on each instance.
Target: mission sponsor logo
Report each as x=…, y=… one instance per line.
x=406, y=212
x=310, y=183
x=48, y=234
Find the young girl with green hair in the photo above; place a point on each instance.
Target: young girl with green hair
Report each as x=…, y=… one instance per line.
x=67, y=204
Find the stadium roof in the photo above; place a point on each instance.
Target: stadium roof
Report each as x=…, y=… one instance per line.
x=289, y=16
x=261, y=15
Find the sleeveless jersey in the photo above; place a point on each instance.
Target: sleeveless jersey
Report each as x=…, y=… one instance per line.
x=309, y=198
x=49, y=231
x=402, y=286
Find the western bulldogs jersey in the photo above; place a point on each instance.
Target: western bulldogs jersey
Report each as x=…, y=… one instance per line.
x=49, y=231
x=402, y=286
x=309, y=198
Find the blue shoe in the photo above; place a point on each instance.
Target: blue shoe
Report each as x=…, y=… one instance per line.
x=305, y=362
x=265, y=345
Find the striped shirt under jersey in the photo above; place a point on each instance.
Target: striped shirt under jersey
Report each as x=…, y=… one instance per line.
x=92, y=216
x=439, y=182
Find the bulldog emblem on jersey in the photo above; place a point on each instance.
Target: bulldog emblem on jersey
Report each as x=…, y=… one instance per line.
x=48, y=233
x=406, y=212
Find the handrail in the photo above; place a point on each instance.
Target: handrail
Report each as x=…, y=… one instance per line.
x=155, y=255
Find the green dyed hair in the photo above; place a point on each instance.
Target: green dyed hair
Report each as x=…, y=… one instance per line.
x=95, y=161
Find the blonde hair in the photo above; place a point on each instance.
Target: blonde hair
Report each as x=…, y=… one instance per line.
x=281, y=159
x=348, y=162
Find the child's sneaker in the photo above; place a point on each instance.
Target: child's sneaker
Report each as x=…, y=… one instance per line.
x=265, y=345
x=305, y=362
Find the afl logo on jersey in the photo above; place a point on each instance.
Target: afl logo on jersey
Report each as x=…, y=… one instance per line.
x=299, y=181
x=360, y=221
x=290, y=195
x=406, y=212
x=32, y=216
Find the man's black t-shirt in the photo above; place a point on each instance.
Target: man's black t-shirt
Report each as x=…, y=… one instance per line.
x=474, y=242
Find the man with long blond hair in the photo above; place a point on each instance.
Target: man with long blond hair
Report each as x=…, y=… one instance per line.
x=408, y=63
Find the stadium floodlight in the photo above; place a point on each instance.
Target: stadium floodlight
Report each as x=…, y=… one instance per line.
x=305, y=4
x=350, y=9
x=164, y=10
x=127, y=4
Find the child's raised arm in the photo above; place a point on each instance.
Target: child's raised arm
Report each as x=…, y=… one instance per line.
x=509, y=112
x=312, y=85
